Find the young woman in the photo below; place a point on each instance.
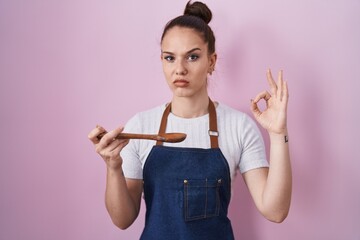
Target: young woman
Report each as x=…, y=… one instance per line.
x=187, y=185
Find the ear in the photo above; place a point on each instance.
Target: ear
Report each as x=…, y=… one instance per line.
x=212, y=62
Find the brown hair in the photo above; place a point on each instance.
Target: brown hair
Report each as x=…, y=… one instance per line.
x=196, y=16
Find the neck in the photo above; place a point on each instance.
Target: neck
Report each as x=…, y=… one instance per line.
x=190, y=107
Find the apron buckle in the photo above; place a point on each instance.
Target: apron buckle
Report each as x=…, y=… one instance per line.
x=213, y=133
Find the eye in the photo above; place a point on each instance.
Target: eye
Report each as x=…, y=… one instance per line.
x=193, y=57
x=169, y=58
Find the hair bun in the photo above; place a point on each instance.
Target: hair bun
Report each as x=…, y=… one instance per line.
x=198, y=9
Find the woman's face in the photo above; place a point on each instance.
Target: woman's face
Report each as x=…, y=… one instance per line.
x=186, y=62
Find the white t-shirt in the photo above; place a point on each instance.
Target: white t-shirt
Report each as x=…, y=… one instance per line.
x=239, y=138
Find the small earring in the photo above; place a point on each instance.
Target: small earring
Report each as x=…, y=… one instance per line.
x=211, y=71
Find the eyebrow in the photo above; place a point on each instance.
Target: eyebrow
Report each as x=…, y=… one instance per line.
x=192, y=50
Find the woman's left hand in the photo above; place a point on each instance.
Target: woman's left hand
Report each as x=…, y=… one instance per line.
x=273, y=118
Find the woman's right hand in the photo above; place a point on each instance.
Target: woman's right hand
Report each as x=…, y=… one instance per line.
x=108, y=147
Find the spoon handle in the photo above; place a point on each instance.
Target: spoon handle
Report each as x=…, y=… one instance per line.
x=140, y=136
x=135, y=136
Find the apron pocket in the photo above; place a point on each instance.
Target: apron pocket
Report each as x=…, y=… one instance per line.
x=201, y=198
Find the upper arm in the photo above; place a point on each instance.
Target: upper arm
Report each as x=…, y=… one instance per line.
x=253, y=154
x=135, y=188
x=255, y=181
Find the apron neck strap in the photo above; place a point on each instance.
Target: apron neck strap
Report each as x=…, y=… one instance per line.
x=213, y=131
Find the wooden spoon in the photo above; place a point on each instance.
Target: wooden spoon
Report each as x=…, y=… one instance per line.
x=167, y=137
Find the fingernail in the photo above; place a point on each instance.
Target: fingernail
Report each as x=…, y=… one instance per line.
x=99, y=127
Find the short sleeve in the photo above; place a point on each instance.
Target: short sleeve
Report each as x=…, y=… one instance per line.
x=132, y=166
x=253, y=153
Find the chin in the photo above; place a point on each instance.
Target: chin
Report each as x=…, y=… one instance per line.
x=182, y=93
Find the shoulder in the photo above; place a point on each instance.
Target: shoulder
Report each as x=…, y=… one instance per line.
x=146, y=121
x=150, y=113
x=225, y=111
x=236, y=121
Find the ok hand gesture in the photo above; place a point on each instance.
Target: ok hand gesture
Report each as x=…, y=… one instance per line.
x=273, y=118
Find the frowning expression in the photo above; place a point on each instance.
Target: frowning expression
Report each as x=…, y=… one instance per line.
x=186, y=62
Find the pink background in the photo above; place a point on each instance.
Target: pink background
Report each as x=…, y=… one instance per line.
x=66, y=66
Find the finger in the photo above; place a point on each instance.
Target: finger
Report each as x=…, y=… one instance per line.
x=272, y=84
x=286, y=93
x=94, y=133
x=255, y=109
x=280, y=85
x=106, y=149
x=116, y=144
x=263, y=95
x=109, y=137
x=114, y=148
x=120, y=146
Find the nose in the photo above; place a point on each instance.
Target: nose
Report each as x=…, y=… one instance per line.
x=180, y=68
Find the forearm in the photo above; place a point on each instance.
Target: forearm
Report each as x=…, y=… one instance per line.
x=121, y=206
x=277, y=192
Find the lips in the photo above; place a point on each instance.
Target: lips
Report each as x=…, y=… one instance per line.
x=181, y=83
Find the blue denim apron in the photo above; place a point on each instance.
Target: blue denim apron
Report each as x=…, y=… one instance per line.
x=187, y=190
